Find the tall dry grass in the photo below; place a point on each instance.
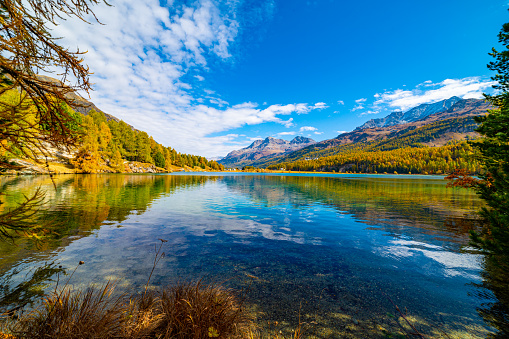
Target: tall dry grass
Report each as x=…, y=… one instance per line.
x=190, y=311
x=92, y=313
x=197, y=311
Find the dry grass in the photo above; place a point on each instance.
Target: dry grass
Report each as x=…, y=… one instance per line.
x=81, y=314
x=190, y=311
x=196, y=311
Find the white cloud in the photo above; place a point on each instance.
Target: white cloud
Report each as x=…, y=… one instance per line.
x=295, y=108
x=341, y=132
x=360, y=104
x=370, y=112
x=307, y=128
x=140, y=71
x=285, y=133
x=471, y=87
x=320, y=105
x=341, y=102
x=217, y=101
x=318, y=133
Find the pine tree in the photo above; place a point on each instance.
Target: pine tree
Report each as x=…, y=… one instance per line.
x=494, y=149
x=159, y=159
x=493, y=188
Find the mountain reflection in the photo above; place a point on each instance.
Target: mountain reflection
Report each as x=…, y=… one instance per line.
x=394, y=205
x=80, y=204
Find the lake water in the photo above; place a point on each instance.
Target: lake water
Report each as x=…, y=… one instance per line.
x=337, y=250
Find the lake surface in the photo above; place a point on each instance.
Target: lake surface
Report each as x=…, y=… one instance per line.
x=337, y=250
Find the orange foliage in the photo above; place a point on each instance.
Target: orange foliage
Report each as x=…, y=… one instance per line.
x=86, y=161
x=461, y=178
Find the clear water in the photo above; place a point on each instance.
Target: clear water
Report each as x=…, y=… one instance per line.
x=337, y=250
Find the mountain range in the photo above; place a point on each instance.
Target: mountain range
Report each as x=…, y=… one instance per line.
x=267, y=148
x=431, y=125
x=414, y=114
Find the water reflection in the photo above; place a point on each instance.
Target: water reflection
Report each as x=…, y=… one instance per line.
x=329, y=246
x=391, y=203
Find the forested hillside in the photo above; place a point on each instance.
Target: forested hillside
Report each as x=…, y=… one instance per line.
x=437, y=133
x=407, y=151
x=409, y=160
x=115, y=142
x=102, y=143
x=436, y=125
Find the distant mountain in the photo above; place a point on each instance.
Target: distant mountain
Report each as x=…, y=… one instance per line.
x=454, y=123
x=415, y=114
x=460, y=109
x=269, y=147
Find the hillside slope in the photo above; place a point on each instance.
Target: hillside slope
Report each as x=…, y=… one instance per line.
x=454, y=123
x=82, y=106
x=104, y=144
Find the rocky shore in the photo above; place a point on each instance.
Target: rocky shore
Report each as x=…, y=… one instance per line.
x=63, y=166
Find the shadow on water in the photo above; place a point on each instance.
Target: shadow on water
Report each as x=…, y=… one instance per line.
x=327, y=248
x=495, y=289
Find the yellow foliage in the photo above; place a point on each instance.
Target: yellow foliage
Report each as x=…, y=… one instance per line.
x=104, y=136
x=86, y=161
x=17, y=123
x=116, y=162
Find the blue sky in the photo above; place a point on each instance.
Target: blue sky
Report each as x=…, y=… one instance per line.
x=207, y=77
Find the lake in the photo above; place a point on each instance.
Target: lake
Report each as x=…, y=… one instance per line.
x=339, y=251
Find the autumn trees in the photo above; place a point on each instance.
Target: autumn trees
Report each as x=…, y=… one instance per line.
x=108, y=144
x=414, y=160
x=34, y=110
